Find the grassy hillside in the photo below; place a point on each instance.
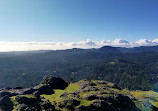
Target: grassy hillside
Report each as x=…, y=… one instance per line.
x=84, y=94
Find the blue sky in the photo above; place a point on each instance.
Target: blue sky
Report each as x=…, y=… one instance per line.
x=77, y=20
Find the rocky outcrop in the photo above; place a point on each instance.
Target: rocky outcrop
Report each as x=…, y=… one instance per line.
x=47, y=106
x=7, y=93
x=104, y=96
x=25, y=100
x=23, y=107
x=37, y=90
x=55, y=82
x=44, y=89
x=94, y=96
x=100, y=105
x=27, y=91
x=84, y=95
x=97, y=105
x=91, y=97
x=18, y=87
x=29, y=99
x=6, y=104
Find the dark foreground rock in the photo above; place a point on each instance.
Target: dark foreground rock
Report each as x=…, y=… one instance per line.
x=29, y=99
x=27, y=91
x=7, y=93
x=25, y=100
x=55, y=82
x=44, y=89
x=6, y=104
x=47, y=106
x=100, y=105
x=91, y=97
x=23, y=107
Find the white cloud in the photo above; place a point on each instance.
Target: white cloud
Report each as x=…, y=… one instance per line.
x=120, y=41
x=155, y=41
x=144, y=42
x=25, y=46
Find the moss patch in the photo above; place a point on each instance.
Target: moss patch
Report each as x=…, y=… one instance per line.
x=15, y=103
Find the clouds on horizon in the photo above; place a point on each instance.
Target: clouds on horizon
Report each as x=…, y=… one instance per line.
x=28, y=46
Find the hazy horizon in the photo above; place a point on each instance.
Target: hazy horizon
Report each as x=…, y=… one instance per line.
x=53, y=24
x=6, y=46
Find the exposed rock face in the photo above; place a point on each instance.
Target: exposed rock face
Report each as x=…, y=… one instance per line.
x=40, y=89
x=47, y=106
x=27, y=91
x=81, y=96
x=104, y=98
x=55, y=82
x=25, y=100
x=84, y=108
x=100, y=105
x=6, y=93
x=119, y=101
x=29, y=103
x=32, y=104
x=6, y=104
x=89, y=88
x=17, y=88
x=123, y=102
x=44, y=89
x=23, y=107
x=91, y=97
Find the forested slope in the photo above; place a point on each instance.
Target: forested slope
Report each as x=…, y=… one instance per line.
x=132, y=68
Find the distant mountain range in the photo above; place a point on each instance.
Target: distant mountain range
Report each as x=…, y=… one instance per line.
x=107, y=49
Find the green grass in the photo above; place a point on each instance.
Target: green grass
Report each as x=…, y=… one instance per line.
x=29, y=96
x=15, y=103
x=144, y=94
x=87, y=93
x=72, y=87
x=56, y=96
x=85, y=102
